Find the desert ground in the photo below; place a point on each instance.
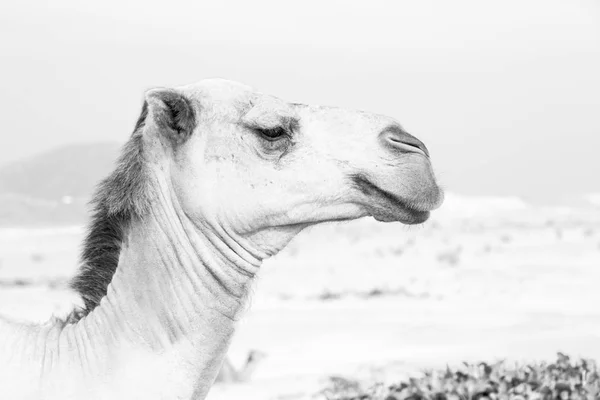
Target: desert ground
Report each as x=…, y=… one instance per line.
x=484, y=279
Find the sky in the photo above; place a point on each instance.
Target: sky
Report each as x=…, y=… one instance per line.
x=506, y=94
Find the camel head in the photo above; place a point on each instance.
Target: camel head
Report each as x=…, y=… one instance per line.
x=260, y=169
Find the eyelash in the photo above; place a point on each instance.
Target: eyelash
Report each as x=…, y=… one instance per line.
x=273, y=134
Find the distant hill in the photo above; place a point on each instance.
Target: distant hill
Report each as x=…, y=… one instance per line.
x=72, y=170
x=54, y=187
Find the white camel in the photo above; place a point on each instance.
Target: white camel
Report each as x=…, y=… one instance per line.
x=215, y=178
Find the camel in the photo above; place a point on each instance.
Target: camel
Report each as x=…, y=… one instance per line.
x=215, y=178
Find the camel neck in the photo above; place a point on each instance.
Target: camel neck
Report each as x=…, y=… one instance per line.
x=169, y=314
x=171, y=274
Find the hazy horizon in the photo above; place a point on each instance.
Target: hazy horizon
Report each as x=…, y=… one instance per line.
x=505, y=95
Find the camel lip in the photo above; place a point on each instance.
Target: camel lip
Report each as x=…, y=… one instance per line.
x=407, y=216
x=395, y=208
x=400, y=210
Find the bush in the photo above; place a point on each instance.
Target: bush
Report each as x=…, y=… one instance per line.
x=561, y=380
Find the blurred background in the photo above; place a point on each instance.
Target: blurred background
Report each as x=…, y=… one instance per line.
x=505, y=94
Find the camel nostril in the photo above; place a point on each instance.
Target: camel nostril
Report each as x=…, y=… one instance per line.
x=416, y=144
x=402, y=141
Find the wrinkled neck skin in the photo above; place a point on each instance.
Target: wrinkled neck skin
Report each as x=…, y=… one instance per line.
x=160, y=333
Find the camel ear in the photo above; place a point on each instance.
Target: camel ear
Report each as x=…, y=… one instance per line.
x=172, y=113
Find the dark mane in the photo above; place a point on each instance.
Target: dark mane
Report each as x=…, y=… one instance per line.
x=119, y=199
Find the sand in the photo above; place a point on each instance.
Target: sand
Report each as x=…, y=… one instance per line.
x=484, y=279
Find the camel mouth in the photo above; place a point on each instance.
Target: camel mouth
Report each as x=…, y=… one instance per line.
x=389, y=207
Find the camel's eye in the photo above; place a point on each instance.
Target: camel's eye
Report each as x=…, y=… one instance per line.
x=272, y=134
